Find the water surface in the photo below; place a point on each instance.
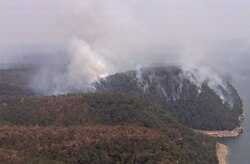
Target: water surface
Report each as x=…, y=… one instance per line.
x=239, y=147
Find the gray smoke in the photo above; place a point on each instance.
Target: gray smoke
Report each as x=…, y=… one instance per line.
x=73, y=43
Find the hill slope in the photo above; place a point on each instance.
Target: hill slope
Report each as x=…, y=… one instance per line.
x=96, y=128
x=14, y=82
x=195, y=103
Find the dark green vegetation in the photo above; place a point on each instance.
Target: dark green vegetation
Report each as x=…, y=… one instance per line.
x=205, y=112
x=168, y=87
x=163, y=86
x=114, y=127
x=96, y=128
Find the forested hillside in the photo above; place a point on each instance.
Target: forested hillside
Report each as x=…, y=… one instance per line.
x=199, y=107
x=96, y=128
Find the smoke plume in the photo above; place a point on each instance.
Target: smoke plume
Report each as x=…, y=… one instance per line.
x=84, y=67
x=116, y=35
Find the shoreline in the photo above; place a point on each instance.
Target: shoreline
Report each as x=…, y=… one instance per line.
x=221, y=152
x=223, y=133
x=226, y=133
x=221, y=149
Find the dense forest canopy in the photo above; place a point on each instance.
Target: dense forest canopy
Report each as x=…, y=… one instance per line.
x=199, y=107
x=97, y=128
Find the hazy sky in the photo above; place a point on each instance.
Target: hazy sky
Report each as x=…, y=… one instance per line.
x=45, y=21
x=132, y=32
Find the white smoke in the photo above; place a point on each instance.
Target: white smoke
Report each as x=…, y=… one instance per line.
x=201, y=75
x=85, y=66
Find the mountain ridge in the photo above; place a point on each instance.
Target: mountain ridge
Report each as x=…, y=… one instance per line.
x=199, y=107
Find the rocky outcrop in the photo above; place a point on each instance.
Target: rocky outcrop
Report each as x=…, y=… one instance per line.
x=242, y=116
